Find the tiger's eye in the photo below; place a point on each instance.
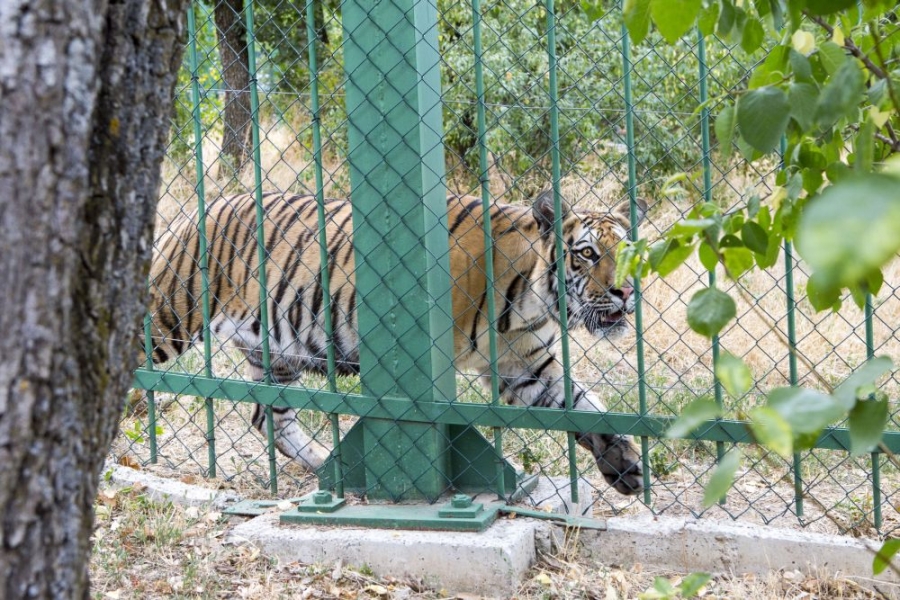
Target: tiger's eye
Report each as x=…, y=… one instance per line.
x=588, y=253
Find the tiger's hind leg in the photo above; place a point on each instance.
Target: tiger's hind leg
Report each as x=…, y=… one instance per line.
x=290, y=439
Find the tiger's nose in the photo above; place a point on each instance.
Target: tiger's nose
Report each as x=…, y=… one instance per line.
x=624, y=293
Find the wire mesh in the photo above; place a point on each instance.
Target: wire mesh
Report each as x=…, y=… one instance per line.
x=252, y=227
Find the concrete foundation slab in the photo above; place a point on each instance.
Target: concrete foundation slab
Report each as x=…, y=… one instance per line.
x=161, y=489
x=491, y=563
x=689, y=545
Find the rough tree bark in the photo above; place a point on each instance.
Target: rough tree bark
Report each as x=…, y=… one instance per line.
x=232, y=36
x=86, y=90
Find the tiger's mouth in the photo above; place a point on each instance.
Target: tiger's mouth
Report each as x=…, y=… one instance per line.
x=603, y=323
x=612, y=319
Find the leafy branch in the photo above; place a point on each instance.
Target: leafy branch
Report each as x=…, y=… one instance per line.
x=814, y=94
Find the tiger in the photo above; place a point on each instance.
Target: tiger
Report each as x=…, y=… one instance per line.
x=526, y=283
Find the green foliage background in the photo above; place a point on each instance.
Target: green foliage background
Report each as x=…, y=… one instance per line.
x=592, y=104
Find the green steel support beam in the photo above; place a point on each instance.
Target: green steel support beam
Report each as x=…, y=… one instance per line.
x=403, y=303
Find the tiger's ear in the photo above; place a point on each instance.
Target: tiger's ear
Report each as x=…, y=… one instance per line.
x=544, y=213
x=623, y=210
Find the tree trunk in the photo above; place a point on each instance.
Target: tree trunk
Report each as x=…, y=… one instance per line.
x=86, y=90
x=232, y=35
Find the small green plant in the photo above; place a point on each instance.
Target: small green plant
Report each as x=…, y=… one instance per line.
x=666, y=589
x=136, y=433
x=531, y=460
x=662, y=462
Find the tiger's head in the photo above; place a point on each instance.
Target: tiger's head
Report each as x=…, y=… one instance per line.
x=590, y=239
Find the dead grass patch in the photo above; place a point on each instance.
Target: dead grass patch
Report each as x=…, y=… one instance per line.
x=148, y=550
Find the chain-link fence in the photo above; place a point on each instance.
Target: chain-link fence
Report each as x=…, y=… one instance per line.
x=254, y=373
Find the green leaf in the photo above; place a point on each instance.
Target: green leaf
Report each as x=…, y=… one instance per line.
x=841, y=95
x=847, y=393
x=664, y=586
x=658, y=251
x=734, y=375
x=709, y=310
x=874, y=281
x=772, y=430
x=625, y=259
x=688, y=227
x=803, y=98
x=753, y=206
x=865, y=147
x=772, y=70
x=730, y=241
x=837, y=171
x=832, y=56
x=674, y=257
x=692, y=416
x=812, y=180
x=878, y=92
x=706, y=22
x=806, y=441
x=636, y=14
x=805, y=410
x=693, y=583
x=755, y=237
x=721, y=479
x=808, y=155
x=801, y=67
x=826, y=7
x=832, y=227
x=593, y=9
x=885, y=554
x=674, y=18
x=764, y=261
x=867, y=421
x=762, y=77
x=858, y=294
x=747, y=151
x=708, y=257
x=726, y=18
x=821, y=295
x=724, y=128
x=738, y=261
x=733, y=222
x=763, y=115
x=753, y=35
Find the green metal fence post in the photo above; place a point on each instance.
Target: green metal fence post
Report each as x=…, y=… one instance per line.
x=323, y=242
x=632, y=198
x=200, y=189
x=797, y=458
x=558, y=233
x=876, y=456
x=262, y=256
x=396, y=161
x=707, y=196
x=151, y=395
x=488, y=235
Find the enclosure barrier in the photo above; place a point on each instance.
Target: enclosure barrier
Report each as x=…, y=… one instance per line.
x=406, y=83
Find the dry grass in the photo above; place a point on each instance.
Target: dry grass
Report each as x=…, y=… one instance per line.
x=678, y=369
x=147, y=550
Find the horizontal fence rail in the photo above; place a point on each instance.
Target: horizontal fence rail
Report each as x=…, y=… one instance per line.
x=297, y=341
x=550, y=419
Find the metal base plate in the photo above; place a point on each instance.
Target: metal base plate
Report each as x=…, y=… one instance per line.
x=399, y=516
x=254, y=508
